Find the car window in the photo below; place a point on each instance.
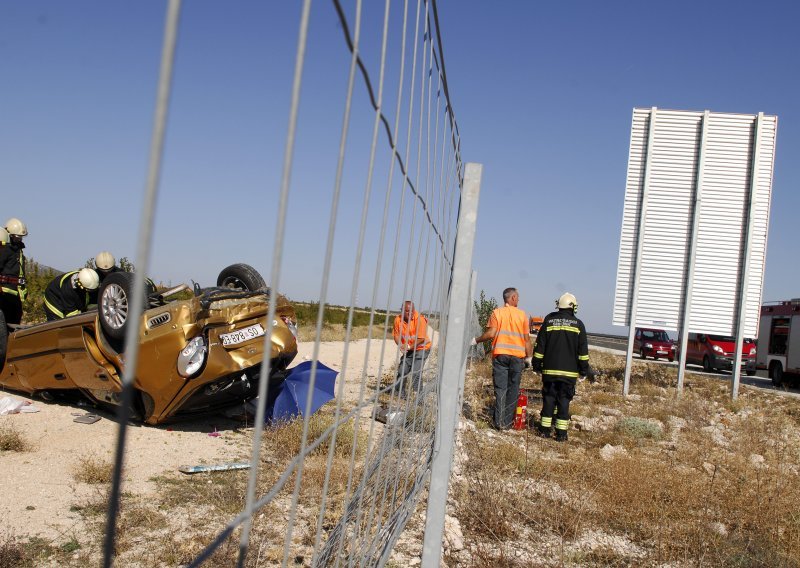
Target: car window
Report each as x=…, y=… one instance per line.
x=721, y=338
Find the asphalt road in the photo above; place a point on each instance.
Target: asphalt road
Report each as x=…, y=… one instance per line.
x=760, y=379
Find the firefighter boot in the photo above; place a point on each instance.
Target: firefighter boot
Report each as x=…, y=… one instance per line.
x=561, y=430
x=543, y=431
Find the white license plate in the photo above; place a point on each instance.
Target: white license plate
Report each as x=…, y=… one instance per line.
x=241, y=335
x=662, y=352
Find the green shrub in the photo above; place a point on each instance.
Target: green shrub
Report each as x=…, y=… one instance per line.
x=639, y=428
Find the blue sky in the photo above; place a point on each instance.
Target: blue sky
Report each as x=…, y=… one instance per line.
x=543, y=94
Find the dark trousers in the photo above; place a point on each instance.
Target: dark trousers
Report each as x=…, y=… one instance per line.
x=11, y=306
x=506, y=373
x=556, y=393
x=410, y=370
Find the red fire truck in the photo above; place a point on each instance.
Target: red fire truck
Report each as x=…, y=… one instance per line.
x=779, y=339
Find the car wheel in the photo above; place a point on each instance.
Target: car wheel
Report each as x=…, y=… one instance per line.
x=3, y=339
x=707, y=364
x=641, y=354
x=776, y=374
x=750, y=372
x=114, y=303
x=241, y=277
x=671, y=359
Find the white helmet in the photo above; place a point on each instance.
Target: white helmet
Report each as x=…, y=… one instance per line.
x=567, y=300
x=88, y=278
x=3, y=236
x=104, y=260
x=16, y=227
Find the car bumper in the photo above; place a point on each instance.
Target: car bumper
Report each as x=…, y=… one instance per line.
x=726, y=363
x=660, y=353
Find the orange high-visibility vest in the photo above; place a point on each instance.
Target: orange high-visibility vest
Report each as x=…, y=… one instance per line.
x=407, y=332
x=512, y=331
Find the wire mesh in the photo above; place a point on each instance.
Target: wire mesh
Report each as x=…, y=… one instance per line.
x=362, y=463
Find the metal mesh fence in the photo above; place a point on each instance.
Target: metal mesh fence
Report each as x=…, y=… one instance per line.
x=362, y=463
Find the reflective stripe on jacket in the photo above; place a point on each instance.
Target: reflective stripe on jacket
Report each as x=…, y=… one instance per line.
x=512, y=331
x=562, y=348
x=407, y=332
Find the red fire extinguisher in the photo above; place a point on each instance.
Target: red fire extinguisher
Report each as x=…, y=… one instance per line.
x=521, y=416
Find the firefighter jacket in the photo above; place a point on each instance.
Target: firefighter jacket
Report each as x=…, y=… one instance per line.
x=512, y=331
x=64, y=297
x=12, y=270
x=562, y=350
x=408, y=332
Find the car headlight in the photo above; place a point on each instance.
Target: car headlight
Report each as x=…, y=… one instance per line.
x=648, y=345
x=718, y=349
x=192, y=357
x=752, y=351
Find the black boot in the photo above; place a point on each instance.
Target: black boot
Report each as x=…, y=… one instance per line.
x=561, y=436
x=542, y=432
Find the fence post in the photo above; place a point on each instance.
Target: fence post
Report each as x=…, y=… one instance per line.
x=453, y=355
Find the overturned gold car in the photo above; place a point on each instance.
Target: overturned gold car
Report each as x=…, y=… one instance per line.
x=196, y=355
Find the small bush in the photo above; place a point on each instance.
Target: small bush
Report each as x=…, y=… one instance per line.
x=93, y=469
x=639, y=428
x=11, y=440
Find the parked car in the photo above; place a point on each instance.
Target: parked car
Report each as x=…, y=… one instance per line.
x=716, y=352
x=198, y=354
x=655, y=343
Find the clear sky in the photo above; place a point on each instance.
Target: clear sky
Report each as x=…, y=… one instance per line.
x=543, y=93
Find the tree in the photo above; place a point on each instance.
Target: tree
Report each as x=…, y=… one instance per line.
x=484, y=308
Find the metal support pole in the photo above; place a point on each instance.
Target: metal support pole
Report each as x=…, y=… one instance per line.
x=747, y=247
x=637, y=260
x=453, y=354
x=689, y=282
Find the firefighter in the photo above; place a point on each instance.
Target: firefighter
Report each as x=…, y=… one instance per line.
x=12, y=271
x=105, y=264
x=70, y=294
x=509, y=331
x=561, y=355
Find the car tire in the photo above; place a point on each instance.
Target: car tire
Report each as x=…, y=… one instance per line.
x=241, y=277
x=750, y=372
x=776, y=374
x=670, y=359
x=641, y=354
x=3, y=339
x=114, y=302
x=707, y=365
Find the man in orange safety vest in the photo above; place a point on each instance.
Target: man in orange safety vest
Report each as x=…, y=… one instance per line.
x=411, y=336
x=509, y=330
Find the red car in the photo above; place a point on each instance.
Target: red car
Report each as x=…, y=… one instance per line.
x=653, y=343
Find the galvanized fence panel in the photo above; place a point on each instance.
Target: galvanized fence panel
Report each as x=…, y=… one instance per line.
x=345, y=497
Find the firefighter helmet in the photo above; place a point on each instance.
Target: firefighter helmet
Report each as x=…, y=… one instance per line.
x=567, y=300
x=88, y=279
x=104, y=260
x=3, y=236
x=16, y=227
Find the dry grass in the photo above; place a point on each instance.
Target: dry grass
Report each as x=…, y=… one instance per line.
x=173, y=526
x=91, y=468
x=337, y=332
x=720, y=488
x=12, y=440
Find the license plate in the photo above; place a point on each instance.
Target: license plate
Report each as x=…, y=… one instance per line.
x=662, y=352
x=241, y=335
